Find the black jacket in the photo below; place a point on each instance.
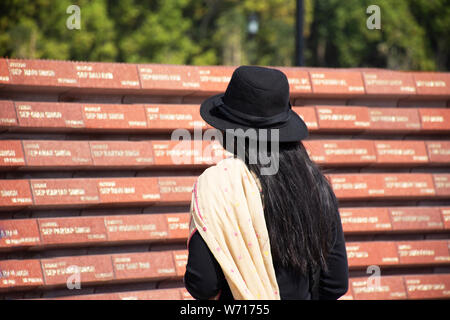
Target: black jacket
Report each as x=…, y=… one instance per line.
x=204, y=277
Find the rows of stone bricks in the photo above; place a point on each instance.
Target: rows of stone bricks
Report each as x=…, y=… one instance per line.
x=400, y=287
x=390, y=287
x=93, y=269
x=43, y=233
x=79, y=192
x=162, y=265
x=359, y=119
x=170, y=79
x=64, y=155
x=79, y=117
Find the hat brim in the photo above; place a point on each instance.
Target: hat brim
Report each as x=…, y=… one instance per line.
x=293, y=130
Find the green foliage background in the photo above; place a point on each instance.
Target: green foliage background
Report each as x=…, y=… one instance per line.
x=414, y=34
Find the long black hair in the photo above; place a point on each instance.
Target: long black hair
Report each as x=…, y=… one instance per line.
x=300, y=207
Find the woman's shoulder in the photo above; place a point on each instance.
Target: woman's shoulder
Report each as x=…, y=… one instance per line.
x=224, y=167
x=230, y=162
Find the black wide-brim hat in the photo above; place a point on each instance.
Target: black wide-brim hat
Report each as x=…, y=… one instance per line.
x=256, y=98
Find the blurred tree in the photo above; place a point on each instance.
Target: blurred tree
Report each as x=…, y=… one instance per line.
x=37, y=29
x=340, y=38
x=413, y=35
x=96, y=39
x=153, y=31
x=434, y=17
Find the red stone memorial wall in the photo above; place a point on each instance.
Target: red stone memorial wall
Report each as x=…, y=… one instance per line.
x=94, y=195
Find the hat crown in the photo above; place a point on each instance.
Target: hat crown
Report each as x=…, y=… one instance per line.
x=256, y=98
x=258, y=91
x=262, y=78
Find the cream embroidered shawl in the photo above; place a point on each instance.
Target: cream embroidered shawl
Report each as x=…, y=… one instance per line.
x=227, y=211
